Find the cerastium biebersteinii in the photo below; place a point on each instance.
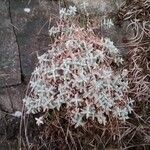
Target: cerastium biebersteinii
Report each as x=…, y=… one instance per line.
x=83, y=73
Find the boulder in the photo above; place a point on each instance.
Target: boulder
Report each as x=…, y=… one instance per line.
x=9, y=54
x=32, y=20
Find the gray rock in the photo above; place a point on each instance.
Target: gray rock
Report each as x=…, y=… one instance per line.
x=11, y=99
x=31, y=33
x=32, y=30
x=9, y=54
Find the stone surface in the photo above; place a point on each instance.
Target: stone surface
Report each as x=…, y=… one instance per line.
x=11, y=98
x=32, y=30
x=9, y=54
x=23, y=34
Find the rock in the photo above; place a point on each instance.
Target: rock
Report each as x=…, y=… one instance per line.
x=9, y=54
x=11, y=99
x=9, y=128
x=32, y=30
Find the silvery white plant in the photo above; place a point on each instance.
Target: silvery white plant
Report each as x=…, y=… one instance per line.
x=70, y=12
x=53, y=30
x=107, y=23
x=78, y=72
x=113, y=51
x=27, y=10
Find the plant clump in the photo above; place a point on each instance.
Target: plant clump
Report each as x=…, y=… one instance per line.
x=81, y=73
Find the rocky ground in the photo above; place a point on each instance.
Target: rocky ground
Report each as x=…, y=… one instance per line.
x=22, y=36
